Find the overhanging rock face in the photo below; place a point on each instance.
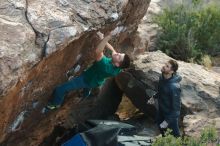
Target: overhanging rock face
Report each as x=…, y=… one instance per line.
x=40, y=41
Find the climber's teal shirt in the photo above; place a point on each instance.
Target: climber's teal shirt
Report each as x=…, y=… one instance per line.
x=99, y=71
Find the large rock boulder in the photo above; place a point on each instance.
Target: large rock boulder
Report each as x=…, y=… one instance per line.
x=18, y=51
x=147, y=29
x=40, y=41
x=200, y=90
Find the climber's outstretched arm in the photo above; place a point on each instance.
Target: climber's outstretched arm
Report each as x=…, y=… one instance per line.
x=109, y=46
x=101, y=46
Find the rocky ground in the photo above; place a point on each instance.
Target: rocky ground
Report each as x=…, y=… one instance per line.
x=42, y=40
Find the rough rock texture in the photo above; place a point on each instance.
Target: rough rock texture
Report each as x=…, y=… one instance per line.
x=216, y=64
x=200, y=89
x=40, y=41
x=195, y=123
x=135, y=90
x=18, y=51
x=147, y=30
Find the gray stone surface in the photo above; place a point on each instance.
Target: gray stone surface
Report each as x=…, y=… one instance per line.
x=31, y=30
x=17, y=49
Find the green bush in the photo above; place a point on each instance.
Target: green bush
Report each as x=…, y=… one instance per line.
x=208, y=137
x=189, y=31
x=168, y=140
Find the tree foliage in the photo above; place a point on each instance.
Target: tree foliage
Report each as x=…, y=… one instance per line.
x=189, y=31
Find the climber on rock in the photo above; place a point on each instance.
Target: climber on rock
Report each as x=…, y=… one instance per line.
x=95, y=75
x=169, y=101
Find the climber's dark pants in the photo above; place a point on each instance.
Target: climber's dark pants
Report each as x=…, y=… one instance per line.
x=73, y=84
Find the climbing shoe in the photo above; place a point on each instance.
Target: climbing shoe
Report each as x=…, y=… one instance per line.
x=52, y=107
x=48, y=108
